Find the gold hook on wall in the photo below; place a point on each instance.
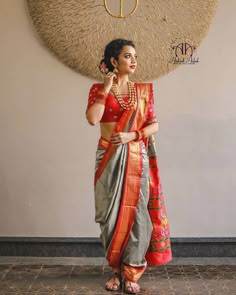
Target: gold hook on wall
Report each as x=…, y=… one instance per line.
x=121, y=15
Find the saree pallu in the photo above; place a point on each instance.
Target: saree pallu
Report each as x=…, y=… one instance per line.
x=129, y=202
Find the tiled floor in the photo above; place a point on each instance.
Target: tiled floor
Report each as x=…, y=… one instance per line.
x=29, y=275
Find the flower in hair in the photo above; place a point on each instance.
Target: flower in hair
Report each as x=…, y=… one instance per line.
x=103, y=68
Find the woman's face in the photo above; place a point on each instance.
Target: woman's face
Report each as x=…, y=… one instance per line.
x=127, y=60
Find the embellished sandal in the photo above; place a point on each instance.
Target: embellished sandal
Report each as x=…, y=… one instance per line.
x=115, y=286
x=128, y=289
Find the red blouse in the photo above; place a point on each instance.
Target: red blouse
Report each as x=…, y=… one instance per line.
x=113, y=110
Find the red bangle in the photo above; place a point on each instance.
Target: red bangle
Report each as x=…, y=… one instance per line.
x=143, y=135
x=101, y=97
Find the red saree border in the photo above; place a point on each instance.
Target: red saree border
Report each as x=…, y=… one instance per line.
x=131, y=189
x=128, y=205
x=159, y=251
x=103, y=143
x=132, y=273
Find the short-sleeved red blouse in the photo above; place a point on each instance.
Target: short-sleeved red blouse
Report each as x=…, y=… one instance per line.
x=113, y=110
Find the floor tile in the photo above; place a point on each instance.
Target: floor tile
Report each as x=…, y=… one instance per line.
x=75, y=277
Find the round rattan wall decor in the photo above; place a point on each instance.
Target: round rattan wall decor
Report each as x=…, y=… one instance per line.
x=166, y=33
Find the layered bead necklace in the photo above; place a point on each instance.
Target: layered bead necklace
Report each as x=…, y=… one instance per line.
x=131, y=101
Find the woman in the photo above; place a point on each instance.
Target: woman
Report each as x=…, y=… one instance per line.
x=128, y=197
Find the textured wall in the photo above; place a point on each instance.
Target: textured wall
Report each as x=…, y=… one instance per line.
x=77, y=31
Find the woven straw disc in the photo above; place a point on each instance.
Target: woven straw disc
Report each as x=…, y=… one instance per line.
x=76, y=31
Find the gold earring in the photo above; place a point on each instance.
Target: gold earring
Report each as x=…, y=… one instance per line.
x=115, y=71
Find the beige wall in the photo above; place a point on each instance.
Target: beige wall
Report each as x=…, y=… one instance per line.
x=47, y=148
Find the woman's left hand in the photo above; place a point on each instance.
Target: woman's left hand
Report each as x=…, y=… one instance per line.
x=122, y=137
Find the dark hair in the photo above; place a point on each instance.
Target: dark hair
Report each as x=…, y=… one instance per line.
x=113, y=49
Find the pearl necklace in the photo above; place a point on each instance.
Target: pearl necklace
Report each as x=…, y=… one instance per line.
x=131, y=102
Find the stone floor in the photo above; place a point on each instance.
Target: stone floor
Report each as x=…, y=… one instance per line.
x=55, y=275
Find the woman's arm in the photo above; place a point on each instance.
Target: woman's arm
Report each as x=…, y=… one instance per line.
x=94, y=113
x=97, y=99
x=96, y=104
x=151, y=129
x=125, y=137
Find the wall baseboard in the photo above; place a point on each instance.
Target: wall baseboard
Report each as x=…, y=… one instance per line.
x=92, y=247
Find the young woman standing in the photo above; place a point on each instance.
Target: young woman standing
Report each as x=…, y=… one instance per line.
x=128, y=196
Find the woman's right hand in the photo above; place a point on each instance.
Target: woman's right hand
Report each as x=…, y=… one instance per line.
x=108, y=81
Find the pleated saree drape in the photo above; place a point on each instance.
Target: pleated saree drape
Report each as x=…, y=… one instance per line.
x=129, y=201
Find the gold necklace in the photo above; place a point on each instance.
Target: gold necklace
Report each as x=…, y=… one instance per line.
x=131, y=102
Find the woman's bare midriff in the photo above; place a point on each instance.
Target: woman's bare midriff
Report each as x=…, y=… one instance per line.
x=107, y=129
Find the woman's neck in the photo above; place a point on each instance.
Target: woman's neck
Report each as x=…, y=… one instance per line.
x=121, y=80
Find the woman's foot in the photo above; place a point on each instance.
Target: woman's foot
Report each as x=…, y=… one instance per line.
x=114, y=282
x=131, y=288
